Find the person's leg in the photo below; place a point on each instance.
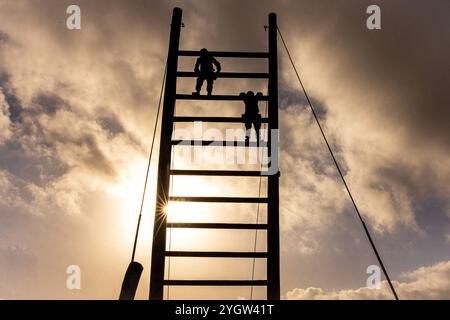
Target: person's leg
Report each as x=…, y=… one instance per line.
x=209, y=87
x=257, y=125
x=199, y=84
x=248, y=128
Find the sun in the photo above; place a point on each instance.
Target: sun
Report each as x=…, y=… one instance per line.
x=126, y=194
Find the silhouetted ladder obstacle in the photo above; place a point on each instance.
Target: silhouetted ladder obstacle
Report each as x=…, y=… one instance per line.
x=131, y=279
x=159, y=251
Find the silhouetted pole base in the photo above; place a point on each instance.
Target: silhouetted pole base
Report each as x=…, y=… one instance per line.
x=131, y=281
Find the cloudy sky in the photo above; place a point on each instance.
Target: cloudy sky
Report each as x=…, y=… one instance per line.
x=77, y=109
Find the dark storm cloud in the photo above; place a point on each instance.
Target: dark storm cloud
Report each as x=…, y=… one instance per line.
x=32, y=168
x=3, y=37
x=107, y=21
x=407, y=58
x=288, y=98
x=40, y=168
x=49, y=103
x=111, y=123
x=95, y=157
x=14, y=105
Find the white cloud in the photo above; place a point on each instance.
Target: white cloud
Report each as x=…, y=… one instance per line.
x=431, y=282
x=311, y=196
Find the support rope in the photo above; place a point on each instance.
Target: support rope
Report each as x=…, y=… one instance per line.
x=148, y=165
x=257, y=212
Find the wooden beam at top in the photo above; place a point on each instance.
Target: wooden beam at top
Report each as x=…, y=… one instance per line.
x=232, y=75
x=214, y=119
x=214, y=97
x=225, y=54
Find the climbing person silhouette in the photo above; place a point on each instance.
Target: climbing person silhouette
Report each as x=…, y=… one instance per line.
x=251, y=115
x=204, y=69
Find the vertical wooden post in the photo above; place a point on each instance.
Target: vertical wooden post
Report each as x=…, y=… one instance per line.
x=165, y=151
x=273, y=234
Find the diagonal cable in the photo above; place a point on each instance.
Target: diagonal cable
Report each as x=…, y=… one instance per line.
x=148, y=165
x=257, y=215
x=366, y=230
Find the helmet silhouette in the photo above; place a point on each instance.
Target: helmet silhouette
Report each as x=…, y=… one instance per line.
x=203, y=52
x=250, y=94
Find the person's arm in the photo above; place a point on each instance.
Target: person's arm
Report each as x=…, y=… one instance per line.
x=217, y=64
x=258, y=96
x=242, y=95
x=197, y=66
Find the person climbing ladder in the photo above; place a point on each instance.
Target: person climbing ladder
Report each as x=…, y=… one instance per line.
x=204, y=69
x=251, y=115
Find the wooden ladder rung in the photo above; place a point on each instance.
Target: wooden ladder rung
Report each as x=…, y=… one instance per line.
x=215, y=282
x=213, y=119
x=214, y=97
x=233, y=75
x=217, y=143
x=232, y=226
x=226, y=173
x=219, y=199
x=225, y=54
x=216, y=254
